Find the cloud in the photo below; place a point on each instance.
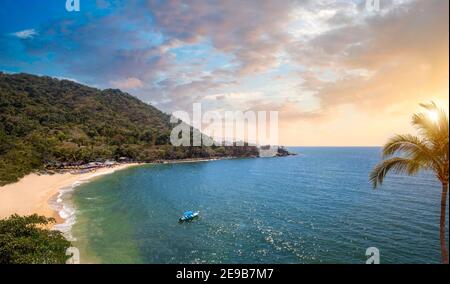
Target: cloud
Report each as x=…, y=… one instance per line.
x=69, y=79
x=142, y=43
x=176, y=95
x=309, y=59
x=103, y=49
x=25, y=34
x=253, y=31
x=128, y=84
x=396, y=57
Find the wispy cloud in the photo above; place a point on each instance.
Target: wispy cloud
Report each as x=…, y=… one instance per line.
x=25, y=34
x=128, y=84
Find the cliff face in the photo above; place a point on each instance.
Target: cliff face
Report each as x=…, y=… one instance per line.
x=44, y=121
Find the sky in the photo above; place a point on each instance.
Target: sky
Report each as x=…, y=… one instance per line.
x=337, y=72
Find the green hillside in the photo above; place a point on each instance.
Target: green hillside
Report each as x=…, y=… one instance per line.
x=46, y=121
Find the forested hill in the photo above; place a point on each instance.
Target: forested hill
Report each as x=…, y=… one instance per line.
x=46, y=121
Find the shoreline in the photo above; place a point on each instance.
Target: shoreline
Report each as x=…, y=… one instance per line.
x=32, y=193
x=50, y=195
x=41, y=193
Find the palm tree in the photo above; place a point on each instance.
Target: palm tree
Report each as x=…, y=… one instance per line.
x=428, y=151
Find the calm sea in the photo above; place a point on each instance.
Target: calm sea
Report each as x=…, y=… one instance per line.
x=317, y=207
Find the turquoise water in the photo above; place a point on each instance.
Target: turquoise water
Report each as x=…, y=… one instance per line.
x=317, y=207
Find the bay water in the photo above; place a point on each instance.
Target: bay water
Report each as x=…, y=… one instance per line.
x=316, y=207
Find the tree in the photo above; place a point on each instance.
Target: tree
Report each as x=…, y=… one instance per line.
x=46, y=122
x=163, y=138
x=25, y=240
x=147, y=136
x=428, y=151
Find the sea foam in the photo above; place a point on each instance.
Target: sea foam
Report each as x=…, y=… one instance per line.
x=64, y=205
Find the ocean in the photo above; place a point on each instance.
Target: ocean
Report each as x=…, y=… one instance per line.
x=316, y=207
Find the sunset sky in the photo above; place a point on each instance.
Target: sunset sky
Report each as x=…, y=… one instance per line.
x=338, y=73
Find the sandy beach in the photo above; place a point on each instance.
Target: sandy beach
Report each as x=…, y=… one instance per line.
x=32, y=193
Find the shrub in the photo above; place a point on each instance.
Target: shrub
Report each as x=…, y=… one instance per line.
x=27, y=240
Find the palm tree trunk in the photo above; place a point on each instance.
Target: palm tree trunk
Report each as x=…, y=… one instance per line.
x=444, y=251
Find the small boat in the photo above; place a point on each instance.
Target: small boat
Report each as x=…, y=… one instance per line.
x=188, y=216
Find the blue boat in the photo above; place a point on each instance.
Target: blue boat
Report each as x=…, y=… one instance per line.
x=188, y=216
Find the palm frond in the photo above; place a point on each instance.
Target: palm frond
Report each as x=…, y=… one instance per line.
x=397, y=165
x=442, y=116
x=443, y=122
x=434, y=131
x=425, y=126
x=408, y=144
x=431, y=106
